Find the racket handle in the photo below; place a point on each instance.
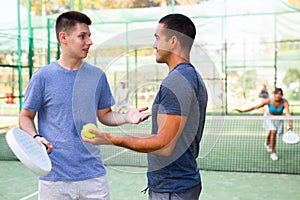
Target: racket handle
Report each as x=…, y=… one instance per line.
x=46, y=146
x=37, y=135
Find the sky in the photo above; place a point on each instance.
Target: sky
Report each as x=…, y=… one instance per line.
x=9, y=11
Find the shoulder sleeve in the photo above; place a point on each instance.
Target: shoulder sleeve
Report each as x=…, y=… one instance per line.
x=176, y=95
x=34, y=93
x=104, y=95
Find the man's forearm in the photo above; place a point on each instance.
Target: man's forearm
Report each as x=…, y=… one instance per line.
x=113, y=119
x=143, y=144
x=27, y=125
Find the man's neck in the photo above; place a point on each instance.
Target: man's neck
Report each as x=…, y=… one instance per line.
x=70, y=64
x=174, y=62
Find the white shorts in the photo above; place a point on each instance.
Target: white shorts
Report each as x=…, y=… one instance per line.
x=96, y=188
x=273, y=124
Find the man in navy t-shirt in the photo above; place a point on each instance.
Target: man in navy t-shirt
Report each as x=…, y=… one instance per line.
x=178, y=117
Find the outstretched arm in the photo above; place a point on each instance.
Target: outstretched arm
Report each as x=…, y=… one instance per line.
x=261, y=104
x=162, y=143
x=111, y=118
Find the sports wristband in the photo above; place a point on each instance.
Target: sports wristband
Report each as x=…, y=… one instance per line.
x=36, y=135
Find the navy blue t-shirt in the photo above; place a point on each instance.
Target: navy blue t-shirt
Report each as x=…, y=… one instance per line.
x=182, y=93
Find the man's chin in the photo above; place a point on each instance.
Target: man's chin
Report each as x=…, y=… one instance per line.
x=159, y=60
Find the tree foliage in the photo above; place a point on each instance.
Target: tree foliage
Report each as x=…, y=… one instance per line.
x=291, y=76
x=40, y=7
x=292, y=80
x=295, y=3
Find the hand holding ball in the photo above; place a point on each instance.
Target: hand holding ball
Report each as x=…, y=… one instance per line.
x=86, y=128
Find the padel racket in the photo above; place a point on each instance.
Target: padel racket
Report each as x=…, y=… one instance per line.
x=30, y=152
x=290, y=137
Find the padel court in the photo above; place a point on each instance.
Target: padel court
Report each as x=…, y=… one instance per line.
x=127, y=182
x=239, y=47
x=233, y=161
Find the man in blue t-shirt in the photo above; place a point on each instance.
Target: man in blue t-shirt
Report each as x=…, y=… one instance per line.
x=67, y=94
x=178, y=117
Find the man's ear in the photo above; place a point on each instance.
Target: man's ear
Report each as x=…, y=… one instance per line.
x=62, y=37
x=174, y=41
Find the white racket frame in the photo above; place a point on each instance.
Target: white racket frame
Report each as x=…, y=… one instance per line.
x=30, y=152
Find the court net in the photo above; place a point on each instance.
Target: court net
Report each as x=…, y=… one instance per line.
x=229, y=143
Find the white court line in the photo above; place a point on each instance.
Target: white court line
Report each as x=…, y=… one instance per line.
x=113, y=156
x=29, y=196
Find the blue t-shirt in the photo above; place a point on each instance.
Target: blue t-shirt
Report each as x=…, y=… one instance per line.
x=183, y=93
x=50, y=95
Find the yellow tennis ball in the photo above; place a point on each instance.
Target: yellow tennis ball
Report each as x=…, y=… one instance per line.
x=86, y=128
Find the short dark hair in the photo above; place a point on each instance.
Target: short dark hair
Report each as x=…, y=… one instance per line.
x=183, y=27
x=67, y=21
x=278, y=90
